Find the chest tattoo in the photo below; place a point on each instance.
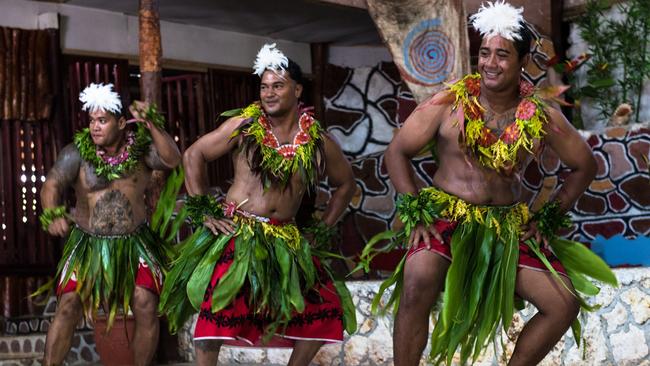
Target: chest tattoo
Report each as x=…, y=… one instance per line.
x=112, y=214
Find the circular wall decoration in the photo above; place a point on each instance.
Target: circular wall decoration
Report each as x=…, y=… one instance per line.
x=428, y=53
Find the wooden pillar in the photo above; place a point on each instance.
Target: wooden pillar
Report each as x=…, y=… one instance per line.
x=150, y=52
x=318, y=63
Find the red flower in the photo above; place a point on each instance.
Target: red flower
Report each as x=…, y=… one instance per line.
x=229, y=209
x=526, y=89
x=301, y=138
x=305, y=121
x=264, y=122
x=270, y=140
x=510, y=134
x=474, y=112
x=473, y=86
x=287, y=151
x=526, y=110
x=487, y=137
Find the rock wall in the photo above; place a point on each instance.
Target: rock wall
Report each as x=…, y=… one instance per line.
x=617, y=334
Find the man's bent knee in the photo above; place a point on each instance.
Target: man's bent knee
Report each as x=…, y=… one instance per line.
x=144, y=302
x=69, y=307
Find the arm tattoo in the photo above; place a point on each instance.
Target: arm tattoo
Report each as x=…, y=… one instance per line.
x=112, y=214
x=66, y=168
x=153, y=161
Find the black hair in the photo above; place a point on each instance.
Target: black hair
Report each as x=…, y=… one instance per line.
x=523, y=45
x=295, y=72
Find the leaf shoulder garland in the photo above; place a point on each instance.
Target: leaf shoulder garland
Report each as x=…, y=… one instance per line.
x=497, y=152
x=276, y=163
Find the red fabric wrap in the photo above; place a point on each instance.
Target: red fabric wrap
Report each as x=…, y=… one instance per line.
x=527, y=259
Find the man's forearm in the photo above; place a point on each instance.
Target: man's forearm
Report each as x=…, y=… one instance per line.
x=196, y=175
x=338, y=203
x=573, y=187
x=167, y=149
x=49, y=195
x=400, y=171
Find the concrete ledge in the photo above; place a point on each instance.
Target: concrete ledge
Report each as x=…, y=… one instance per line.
x=617, y=334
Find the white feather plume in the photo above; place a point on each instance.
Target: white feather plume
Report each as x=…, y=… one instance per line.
x=269, y=58
x=100, y=96
x=498, y=18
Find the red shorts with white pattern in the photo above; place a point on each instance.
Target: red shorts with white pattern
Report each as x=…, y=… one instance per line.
x=238, y=325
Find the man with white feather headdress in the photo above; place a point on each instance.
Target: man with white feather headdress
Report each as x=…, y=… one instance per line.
x=112, y=258
x=254, y=278
x=485, y=129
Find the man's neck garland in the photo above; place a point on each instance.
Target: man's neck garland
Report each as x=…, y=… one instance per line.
x=274, y=162
x=497, y=152
x=116, y=167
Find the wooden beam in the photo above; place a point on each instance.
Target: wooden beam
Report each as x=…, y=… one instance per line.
x=359, y=4
x=150, y=52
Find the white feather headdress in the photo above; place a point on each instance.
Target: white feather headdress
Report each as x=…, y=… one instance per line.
x=498, y=18
x=269, y=58
x=100, y=96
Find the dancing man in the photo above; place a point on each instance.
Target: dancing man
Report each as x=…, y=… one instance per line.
x=254, y=278
x=111, y=258
x=470, y=233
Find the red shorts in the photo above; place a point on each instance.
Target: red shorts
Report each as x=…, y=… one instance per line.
x=144, y=278
x=527, y=259
x=238, y=325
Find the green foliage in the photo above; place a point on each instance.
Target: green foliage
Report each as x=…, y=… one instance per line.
x=550, y=219
x=49, y=214
x=619, y=63
x=201, y=207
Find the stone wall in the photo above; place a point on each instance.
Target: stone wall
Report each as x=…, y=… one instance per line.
x=617, y=334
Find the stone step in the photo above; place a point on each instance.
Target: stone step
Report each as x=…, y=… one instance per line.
x=28, y=349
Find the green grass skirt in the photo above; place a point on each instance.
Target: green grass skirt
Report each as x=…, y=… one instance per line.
x=274, y=261
x=105, y=267
x=480, y=283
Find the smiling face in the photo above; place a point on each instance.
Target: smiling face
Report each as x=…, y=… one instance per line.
x=499, y=64
x=105, y=129
x=279, y=93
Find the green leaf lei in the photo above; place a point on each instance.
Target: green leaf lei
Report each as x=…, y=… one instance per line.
x=323, y=234
x=201, y=206
x=88, y=149
x=550, y=219
x=267, y=160
x=49, y=214
x=416, y=209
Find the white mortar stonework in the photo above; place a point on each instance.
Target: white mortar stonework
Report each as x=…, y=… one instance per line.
x=616, y=334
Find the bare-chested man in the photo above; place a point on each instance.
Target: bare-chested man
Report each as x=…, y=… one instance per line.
x=486, y=128
x=111, y=255
x=249, y=271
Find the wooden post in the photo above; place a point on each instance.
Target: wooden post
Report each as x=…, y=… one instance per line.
x=150, y=52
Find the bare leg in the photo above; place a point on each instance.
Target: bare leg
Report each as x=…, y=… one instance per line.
x=424, y=275
x=304, y=352
x=147, y=326
x=207, y=351
x=557, y=308
x=59, y=337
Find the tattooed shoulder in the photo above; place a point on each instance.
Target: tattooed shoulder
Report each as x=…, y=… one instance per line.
x=112, y=214
x=66, y=167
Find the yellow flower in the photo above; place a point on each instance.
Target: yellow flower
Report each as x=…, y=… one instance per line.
x=289, y=233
